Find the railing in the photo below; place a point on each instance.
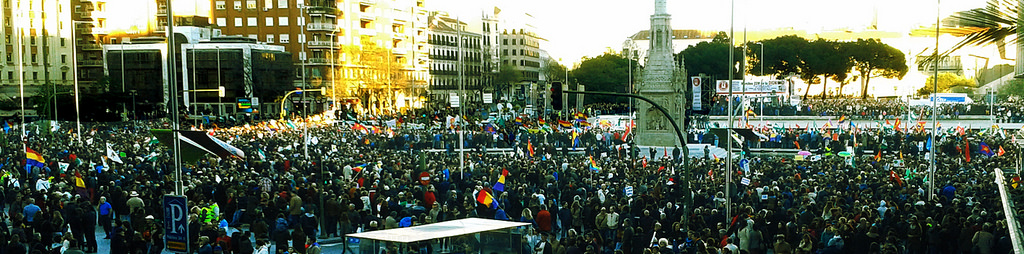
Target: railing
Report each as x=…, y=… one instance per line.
x=318, y=60
x=1010, y=212
x=321, y=27
x=92, y=47
x=319, y=43
x=90, y=62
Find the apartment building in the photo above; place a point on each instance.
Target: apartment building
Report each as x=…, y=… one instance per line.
x=456, y=61
x=371, y=54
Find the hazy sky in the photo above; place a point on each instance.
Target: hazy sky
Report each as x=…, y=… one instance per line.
x=578, y=28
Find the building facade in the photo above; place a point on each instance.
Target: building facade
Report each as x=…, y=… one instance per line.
x=247, y=69
x=520, y=52
x=42, y=31
x=456, y=58
x=370, y=54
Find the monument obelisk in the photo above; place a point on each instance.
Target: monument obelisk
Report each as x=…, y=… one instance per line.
x=662, y=82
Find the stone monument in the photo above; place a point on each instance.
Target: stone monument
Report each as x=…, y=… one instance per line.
x=663, y=82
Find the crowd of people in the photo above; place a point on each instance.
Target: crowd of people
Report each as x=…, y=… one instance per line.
x=365, y=175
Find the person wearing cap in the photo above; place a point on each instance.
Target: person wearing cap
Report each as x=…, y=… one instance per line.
x=106, y=212
x=135, y=206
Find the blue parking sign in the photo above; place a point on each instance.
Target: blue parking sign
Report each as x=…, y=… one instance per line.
x=176, y=223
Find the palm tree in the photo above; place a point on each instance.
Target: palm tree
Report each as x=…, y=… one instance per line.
x=997, y=24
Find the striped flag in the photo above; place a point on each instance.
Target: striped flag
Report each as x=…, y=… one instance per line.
x=500, y=184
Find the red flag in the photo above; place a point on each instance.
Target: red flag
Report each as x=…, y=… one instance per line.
x=878, y=157
x=893, y=176
x=967, y=151
x=1001, y=151
x=797, y=145
x=897, y=125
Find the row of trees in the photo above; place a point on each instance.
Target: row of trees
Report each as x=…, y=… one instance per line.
x=813, y=61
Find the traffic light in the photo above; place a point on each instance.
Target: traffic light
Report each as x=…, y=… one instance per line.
x=556, y=95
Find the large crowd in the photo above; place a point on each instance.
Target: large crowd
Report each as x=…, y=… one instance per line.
x=365, y=175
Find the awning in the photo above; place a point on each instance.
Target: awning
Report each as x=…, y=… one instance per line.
x=747, y=134
x=195, y=144
x=438, y=230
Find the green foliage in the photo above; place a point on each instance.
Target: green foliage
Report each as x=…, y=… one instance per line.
x=872, y=58
x=607, y=72
x=508, y=75
x=829, y=59
x=711, y=58
x=554, y=71
x=948, y=83
x=781, y=55
x=1013, y=91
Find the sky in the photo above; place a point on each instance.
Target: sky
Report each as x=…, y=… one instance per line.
x=580, y=28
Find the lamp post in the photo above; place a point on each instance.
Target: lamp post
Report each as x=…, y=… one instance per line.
x=761, y=59
x=220, y=100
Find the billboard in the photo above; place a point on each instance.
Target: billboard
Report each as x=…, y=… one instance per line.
x=752, y=87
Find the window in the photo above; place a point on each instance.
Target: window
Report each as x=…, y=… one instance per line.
x=9, y=57
x=33, y=57
x=251, y=21
x=221, y=5
x=283, y=38
x=270, y=38
x=222, y=22
x=63, y=41
x=282, y=4
x=282, y=21
x=521, y=42
x=251, y=4
x=253, y=36
x=504, y=52
x=35, y=75
x=513, y=52
x=238, y=22
x=63, y=75
x=513, y=41
x=268, y=4
x=63, y=58
x=10, y=74
x=301, y=21
x=238, y=5
x=302, y=38
x=270, y=21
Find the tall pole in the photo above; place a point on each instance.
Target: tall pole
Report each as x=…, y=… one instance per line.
x=728, y=164
x=172, y=81
x=935, y=90
x=305, y=106
x=334, y=95
x=462, y=103
x=220, y=108
x=74, y=71
x=19, y=30
x=124, y=108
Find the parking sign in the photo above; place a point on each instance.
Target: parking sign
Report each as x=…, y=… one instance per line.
x=176, y=223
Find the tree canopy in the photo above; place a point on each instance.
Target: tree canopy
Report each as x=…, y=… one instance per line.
x=607, y=72
x=711, y=58
x=948, y=83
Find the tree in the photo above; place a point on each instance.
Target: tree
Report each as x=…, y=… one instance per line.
x=711, y=58
x=872, y=58
x=827, y=59
x=948, y=83
x=554, y=71
x=996, y=23
x=607, y=73
x=507, y=76
x=375, y=69
x=1012, y=91
x=781, y=55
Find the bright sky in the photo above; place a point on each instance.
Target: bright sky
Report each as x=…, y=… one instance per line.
x=578, y=28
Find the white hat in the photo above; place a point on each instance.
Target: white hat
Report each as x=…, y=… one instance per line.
x=135, y=194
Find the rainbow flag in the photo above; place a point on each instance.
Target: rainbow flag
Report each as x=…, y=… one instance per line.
x=500, y=184
x=593, y=164
x=540, y=121
x=33, y=158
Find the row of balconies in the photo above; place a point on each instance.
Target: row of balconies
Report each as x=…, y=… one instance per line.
x=455, y=58
x=321, y=27
x=465, y=73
